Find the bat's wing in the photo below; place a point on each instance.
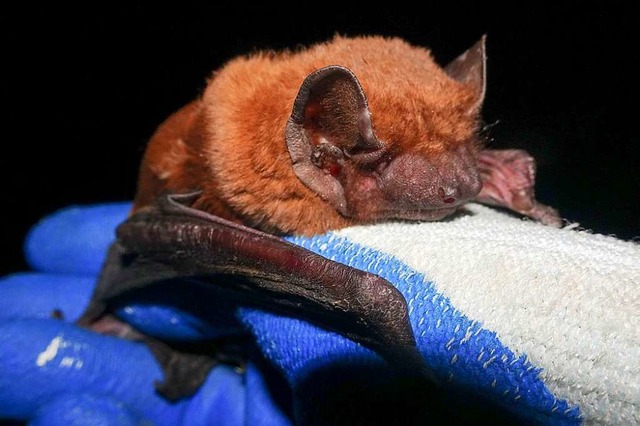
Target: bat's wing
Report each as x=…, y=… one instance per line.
x=171, y=241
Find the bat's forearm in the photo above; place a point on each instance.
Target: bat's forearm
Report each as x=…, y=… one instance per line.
x=267, y=272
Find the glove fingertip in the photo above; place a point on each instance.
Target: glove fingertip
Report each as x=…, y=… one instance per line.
x=74, y=239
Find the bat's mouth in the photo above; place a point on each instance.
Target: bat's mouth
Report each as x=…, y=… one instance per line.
x=420, y=214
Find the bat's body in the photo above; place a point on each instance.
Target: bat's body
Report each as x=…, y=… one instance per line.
x=352, y=131
x=417, y=122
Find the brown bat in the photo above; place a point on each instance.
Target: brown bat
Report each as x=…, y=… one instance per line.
x=350, y=131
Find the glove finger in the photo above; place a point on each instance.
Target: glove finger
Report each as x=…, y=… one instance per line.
x=38, y=295
x=297, y=347
x=268, y=397
x=43, y=359
x=178, y=310
x=170, y=323
x=257, y=398
x=74, y=239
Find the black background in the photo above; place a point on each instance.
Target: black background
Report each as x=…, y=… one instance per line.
x=84, y=87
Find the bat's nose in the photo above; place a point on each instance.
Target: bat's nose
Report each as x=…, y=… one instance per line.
x=448, y=195
x=420, y=182
x=459, y=187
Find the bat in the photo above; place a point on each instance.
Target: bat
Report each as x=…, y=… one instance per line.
x=354, y=130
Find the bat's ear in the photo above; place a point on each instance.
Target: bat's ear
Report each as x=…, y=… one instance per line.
x=471, y=68
x=330, y=128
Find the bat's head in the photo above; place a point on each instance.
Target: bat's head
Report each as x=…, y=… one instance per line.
x=376, y=154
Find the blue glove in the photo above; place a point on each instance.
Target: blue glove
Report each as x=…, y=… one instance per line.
x=53, y=372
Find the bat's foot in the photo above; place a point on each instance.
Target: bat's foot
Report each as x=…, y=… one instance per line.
x=508, y=180
x=187, y=366
x=184, y=372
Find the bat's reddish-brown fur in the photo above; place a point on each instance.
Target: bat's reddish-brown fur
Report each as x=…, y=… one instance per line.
x=230, y=143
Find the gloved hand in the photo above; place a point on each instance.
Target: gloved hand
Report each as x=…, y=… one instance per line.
x=53, y=372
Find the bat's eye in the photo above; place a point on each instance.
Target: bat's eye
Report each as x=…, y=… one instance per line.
x=377, y=166
x=382, y=165
x=365, y=151
x=361, y=150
